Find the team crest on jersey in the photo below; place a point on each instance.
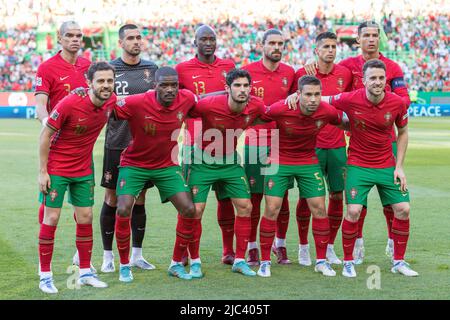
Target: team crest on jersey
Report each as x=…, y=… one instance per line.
x=54, y=115
x=147, y=75
x=180, y=116
x=120, y=103
x=53, y=195
x=353, y=193
x=194, y=190
x=247, y=119
x=388, y=117
x=270, y=184
x=252, y=181
x=340, y=83
x=38, y=81
x=107, y=176
x=224, y=73
x=284, y=81
x=319, y=124
x=122, y=183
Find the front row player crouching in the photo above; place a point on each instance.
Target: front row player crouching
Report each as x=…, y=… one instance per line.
x=155, y=118
x=372, y=113
x=65, y=162
x=298, y=130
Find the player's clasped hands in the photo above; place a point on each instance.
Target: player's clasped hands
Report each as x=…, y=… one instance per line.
x=44, y=182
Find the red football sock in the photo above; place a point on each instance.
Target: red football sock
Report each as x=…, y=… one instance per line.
x=335, y=209
x=362, y=217
x=194, y=244
x=46, y=242
x=123, y=232
x=349, y=235
x=242, y=229
x=266, y=235
x=184, y=234
x=283, y=218
x=400, y=233
x=321, y=233
x=225, y=217
x=84, y=242
x=256, y=213
x=389, y=215
x=303, y=217
x=41, y=213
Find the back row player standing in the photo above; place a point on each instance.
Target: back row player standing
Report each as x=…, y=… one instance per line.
x=205, y=74
x=133, y=76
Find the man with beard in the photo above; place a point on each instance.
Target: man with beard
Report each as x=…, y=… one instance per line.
x=65, y=163
x=272, y=81
x=133, y=76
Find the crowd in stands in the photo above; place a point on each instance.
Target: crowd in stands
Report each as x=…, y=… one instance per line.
x=418, y=38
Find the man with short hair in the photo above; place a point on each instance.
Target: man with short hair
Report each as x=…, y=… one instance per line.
x=56, y=77
x=372, y=112
x=330, y=148
x=133, y=75
x=155, y=119
x=296, y=158
x=202, y=75
x=224, y=118
x=272, y=81
x=66, y=163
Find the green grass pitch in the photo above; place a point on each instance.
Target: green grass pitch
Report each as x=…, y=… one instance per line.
x=428, y=172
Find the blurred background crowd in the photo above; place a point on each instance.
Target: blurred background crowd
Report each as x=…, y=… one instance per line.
x=418, y=32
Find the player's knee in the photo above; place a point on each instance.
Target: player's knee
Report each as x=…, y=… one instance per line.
x=272, y=210
x=402, y=212
x=336, y=195
x=188, y=211
x=111, y=198
x=124, y=210
x=51, y=219
x=244, y=209
x=353, y=214
x=319, y=211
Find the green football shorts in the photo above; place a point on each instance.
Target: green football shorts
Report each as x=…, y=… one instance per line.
x=169, y=181
x=332, y=162
x=360, y=180
x=309, y=181
x=81, y=191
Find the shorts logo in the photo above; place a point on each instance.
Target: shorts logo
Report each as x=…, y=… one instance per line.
x=270, y=184
x=252, y=181
x=353, y=193
x=194, y=190
x=54, y=115
x=53, y=195
x=122, y=183
x=108, y=176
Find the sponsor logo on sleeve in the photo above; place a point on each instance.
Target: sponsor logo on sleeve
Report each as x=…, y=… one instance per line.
x=120, y=103
x=38, y=81
x=54, y=115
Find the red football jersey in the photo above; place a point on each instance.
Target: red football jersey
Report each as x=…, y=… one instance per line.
x=271, y=86
x=79, y=123
x=395, y=81
x=371, y=126
x=202, y=78
x=337, y=81
x=154, y=128
x=298, y=132
x=56, y=78
x=215, y=113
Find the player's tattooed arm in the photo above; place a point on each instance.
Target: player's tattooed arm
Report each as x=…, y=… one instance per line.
x=44, y=149
x=402, y=145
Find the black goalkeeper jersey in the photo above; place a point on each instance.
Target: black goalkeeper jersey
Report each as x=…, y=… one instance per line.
x=130, y=79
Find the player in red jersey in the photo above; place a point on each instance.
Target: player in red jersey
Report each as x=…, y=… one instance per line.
x=155, y=119
x=330, y=148
x=296, y=158
x=368, y=38
x=272, y=81
x=57, y=76
x=66, y=163
x=372, y=112
x=224, y=118
x=202, y=75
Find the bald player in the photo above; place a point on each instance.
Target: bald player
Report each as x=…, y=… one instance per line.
x=205, y=74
